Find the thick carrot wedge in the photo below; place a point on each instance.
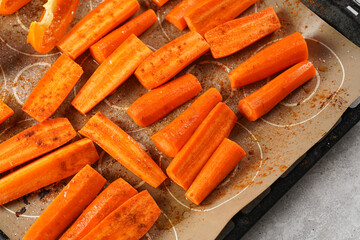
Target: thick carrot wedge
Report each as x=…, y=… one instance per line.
x=101, y=20
x=237, y=34
x=51, y=168
x=263, y=100
x=116, y=69
x=34, y=142
x=278, y=56
x=159, y=3
x=221, y=163
x=67, y=206
x=170, y=59
x=5, y=112
x=108, y=200
x=192, y=157
x=129, y=221
x=211, y=13
x=159, y=102
x=107, y=45
x=123, y=148
x=54, y=22
x=53, y=88
x=173, y=137
x=8, y=7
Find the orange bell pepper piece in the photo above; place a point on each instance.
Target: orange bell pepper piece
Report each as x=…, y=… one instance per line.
x=8, y=7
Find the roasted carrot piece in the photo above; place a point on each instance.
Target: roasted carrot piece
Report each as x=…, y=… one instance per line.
x=53, y=88
x=107, y=45
x=237, y=34
x=263, y=100
x=8, y=7
x=116, y=69
x=108, y=200
x=67, y=206
x=221, y=163
x=211, y=13
x=129, y=221
x=278, y=56
x=5, y=112
x=173, y=137
x=101, y=20
x=170, y=59
x=192, y=157
x=159, y=102
x=34, y=142
x=123, y=148
x=159, y=3
x=46, y=170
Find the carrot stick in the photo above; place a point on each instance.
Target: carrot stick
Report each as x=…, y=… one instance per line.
x=192, y=157
x=221, y=163
x=159, y=3
x=129, y=221
x=51, y=168
x=67, y=206
x=116, y=69
x=173, y=137
x=107, y=45
x=170, y=59
x=34, y=142
x=237, y=34
x=123, y=148
x=176, y=16
x=278, y=56
x=53, y=88
x=8, y=7
x=159, y=102
x=211, y=13
x=111, y=198
x=263, y=100
x=101, y=20
x=5, y=112
x=58, y=15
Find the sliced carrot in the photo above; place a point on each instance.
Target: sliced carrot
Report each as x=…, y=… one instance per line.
x=159, y=102
x=237, y=34
x=53, y=88
x=67, y=206
x=159, y=3
x=49, y=169
x=129, y=221
x=8, y=7
x=107, y=45
x=170, y=59
x=192, y=157
x=108, y=200
x=34, y=142
x=116, y=69
x=221, y=163
x=173, y=137
x=263, y=100
x=211, y=13
x=5, y=112
x=278, y=56
x=123, y=148
x=101, y=20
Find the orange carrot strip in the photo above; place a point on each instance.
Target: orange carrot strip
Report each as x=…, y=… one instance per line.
x=170, y=59
x=159, y=102
x=53, y=88
x=278, y=56
x=211, y=13
x=263, y=100
x=237, y=34
x=221, y=163
x=8, y=7
x=111, y=198
x=173, y=137
x=101, y=20
x=51, y=168
x=192, y=157
x=34, y=142
x=116, y=69
x=107, y=45
x=159, y=3
x=67, y=206
x=58, y=15
x=129, y=221
x=123, y=148
x=5, y=112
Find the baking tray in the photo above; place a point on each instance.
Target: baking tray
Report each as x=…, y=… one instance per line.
x=272, y=143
